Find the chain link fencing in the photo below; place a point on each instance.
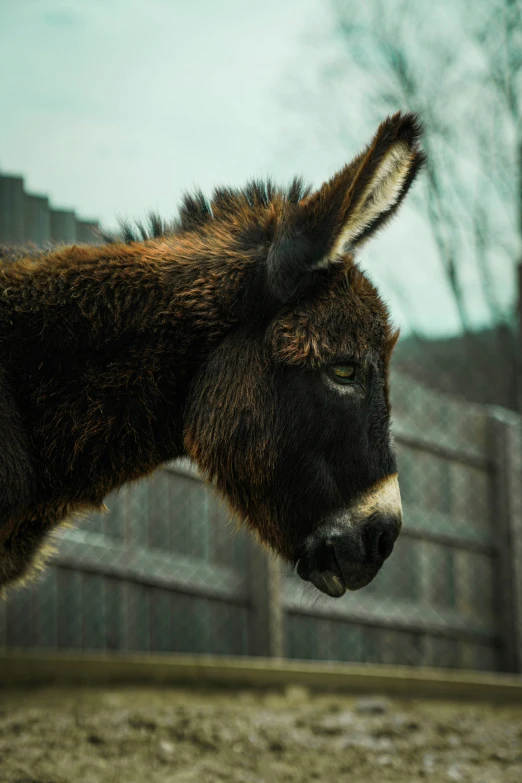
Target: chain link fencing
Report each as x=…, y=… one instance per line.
x=166, y=571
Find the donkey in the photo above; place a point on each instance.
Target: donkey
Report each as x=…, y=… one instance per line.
x=244, y=337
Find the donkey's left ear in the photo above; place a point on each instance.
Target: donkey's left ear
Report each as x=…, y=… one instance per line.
x=361, y=197
x=347, y=209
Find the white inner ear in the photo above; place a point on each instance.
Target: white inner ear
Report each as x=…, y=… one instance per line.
x=382, y=192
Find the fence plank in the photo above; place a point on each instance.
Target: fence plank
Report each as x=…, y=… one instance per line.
x=63, y=225
x=137, y=505
x=70, y=609
x=20, y=617
x=506, y=518
x=115, y=518
x=159, y=511
x=46, y=610
x=448, y=530
x=87, y=231
x=191, y=624
x=266, y=614
x=98, y=554
x=12, y=210
x=37, y=219
x=438, y=423
x=137, y=617
x=189, y=530
x=3, y=624
x=229, y=628
x=94, y=612
x=114, y=614
x=160, y=620
x=415, y=616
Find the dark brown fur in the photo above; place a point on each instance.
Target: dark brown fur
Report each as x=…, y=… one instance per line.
x=115, y=359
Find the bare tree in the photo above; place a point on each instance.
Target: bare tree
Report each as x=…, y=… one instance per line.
x=460, y=66
x=498, y=35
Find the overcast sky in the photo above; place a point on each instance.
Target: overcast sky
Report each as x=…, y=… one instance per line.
x=115, y=107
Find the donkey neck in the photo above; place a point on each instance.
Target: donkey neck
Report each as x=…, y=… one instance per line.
x=94, y=295
x=107, y=340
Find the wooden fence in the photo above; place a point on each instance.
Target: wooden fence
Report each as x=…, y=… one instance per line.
x=29, y=218
x=165, y=571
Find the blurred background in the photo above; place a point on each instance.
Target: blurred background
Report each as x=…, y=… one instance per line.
x=111, y=109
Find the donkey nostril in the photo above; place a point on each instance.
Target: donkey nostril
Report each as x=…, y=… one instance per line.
x=380, y=538
x=385, y=544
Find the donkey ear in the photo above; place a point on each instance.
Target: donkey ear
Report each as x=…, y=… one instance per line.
x=350, y=207
x=361, y=197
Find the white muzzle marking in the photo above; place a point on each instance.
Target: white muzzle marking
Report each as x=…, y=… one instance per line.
x=384, y=498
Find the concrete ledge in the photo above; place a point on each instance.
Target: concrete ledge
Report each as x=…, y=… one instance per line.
x=20, y=668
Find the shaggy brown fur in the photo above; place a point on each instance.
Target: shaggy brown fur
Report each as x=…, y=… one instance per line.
x=210, y=338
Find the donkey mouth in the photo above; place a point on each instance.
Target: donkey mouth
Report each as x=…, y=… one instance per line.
x=328, y=582
x=328, y=577
x=333, y=584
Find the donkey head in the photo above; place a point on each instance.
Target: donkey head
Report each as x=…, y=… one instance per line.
x=290, y=416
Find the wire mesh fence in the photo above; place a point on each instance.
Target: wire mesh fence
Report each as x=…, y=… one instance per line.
x=166, y=570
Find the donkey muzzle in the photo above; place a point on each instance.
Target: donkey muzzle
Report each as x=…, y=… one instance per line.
x=348, y=552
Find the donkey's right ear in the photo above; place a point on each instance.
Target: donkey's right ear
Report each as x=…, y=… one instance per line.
x=347, y=209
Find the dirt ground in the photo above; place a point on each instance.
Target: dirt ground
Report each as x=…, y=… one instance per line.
x=173, y=736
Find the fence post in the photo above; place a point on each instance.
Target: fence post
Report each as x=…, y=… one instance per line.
x=3, y=623
x=37, y=219
x=266, y=612
x=86, y=231
x=63, y=225
x=506, y=519
x=11, y=210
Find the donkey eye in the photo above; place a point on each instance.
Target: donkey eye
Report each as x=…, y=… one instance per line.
x=343, y=373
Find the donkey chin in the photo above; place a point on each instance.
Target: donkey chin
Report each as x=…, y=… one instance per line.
x=347, y=552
